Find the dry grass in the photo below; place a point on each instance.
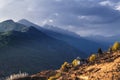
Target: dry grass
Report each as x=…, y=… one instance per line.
x=16, y=76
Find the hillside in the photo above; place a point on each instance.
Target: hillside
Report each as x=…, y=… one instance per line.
x=105, y=67
x=25, y=49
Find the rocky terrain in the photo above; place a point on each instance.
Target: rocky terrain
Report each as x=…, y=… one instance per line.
x=105, y=67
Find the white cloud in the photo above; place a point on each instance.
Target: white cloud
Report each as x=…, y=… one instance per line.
x=44, y=22
x=3, y=3
x=50, y=20
x=47, y=21
x=30, y=9
x=83, y=17
x=106, y=3
x=56, y=14
x=115, y=6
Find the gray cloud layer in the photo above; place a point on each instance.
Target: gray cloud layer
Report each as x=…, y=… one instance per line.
x=85, y=17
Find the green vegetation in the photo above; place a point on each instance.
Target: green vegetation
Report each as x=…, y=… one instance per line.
x=10, y=25
x=4, y=38
x=8, y=33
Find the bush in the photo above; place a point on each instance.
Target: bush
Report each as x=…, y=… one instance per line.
x=64, y=66
x=52, y=78
x=76, y=62
x=92, y=57
x=116, y=46
x=55, y=77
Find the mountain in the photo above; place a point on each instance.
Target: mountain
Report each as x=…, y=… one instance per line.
x=114, y=38
x=28, y=24
x=83, y=44
x=49, y=27
x=105, y=67
x=102, y=39
x=10, y=25
x=60, y=30
x=28, y=49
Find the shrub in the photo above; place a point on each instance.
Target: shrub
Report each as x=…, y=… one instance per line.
x=76, y=62
x=52, y=78
x=55, y=77
x=92, y=57
x=64, y=66
x=116, y=46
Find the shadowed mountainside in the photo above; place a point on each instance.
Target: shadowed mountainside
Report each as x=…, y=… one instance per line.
x=30, y=50
x=69, y=37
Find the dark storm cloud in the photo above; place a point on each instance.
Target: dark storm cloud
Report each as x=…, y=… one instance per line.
x=104, y=14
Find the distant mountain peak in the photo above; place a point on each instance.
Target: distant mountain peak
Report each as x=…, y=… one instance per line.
x=10, y=25
x=48, y=27
x=23, y=20
x=60, y=30
x=27, y=23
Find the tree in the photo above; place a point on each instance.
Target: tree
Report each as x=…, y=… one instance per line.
x=100, y=51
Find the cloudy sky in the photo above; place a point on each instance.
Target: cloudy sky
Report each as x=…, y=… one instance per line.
x=85, y=17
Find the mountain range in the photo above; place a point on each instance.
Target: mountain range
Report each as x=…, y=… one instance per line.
x=30, y=50
x=83, y=44
x=25, y=46
x=102, y=39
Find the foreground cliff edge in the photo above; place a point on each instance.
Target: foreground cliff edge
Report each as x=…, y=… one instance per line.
x=104, y=67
